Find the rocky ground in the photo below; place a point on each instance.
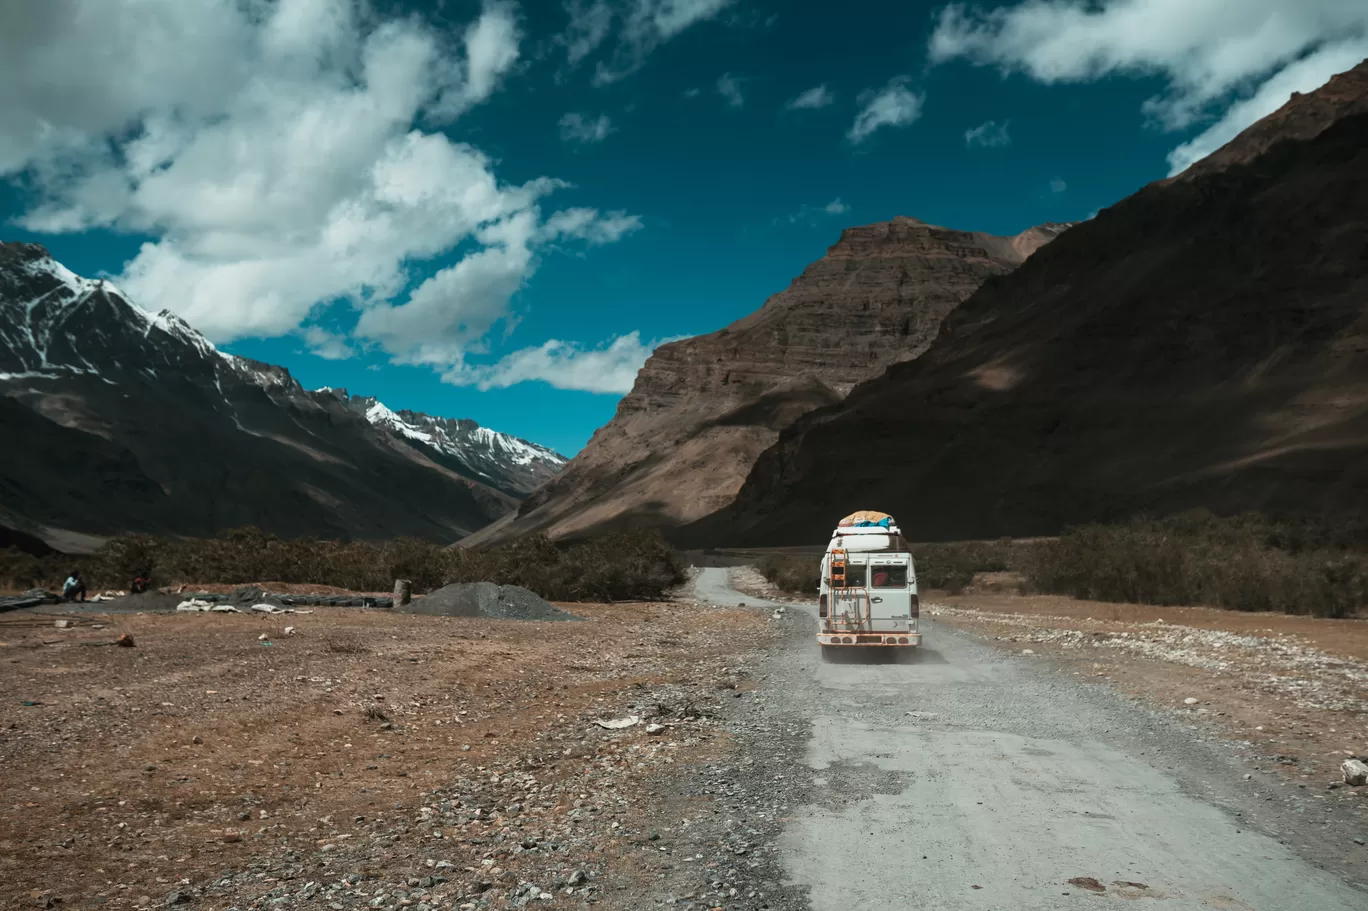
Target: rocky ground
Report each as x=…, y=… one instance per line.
x=1290, y=692
x=363, y=759
x=375, y=760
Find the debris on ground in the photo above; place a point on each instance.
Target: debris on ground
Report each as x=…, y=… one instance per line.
x=485, y=599
x=618, y=724
x=1355, y=772
x=1088, y=882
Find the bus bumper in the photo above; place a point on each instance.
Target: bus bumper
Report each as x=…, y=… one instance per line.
x=883, y=640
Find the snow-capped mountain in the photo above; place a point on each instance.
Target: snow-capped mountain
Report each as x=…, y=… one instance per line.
x=504, y=462
x=134, y=421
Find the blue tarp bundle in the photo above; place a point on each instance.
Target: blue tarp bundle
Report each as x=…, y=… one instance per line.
x=882, y=523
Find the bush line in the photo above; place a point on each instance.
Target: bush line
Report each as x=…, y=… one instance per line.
x=622, y=567
x=1246, y=563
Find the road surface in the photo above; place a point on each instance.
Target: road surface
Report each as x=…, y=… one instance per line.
x=990, y=781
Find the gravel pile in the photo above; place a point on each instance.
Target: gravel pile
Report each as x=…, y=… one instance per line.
x=485, y=599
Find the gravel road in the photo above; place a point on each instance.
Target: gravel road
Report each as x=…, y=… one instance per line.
x=969, y=778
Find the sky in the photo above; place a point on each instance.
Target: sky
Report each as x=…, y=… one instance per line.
x=496, y=209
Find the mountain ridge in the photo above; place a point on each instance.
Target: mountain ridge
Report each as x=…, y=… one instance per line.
x=146, y=397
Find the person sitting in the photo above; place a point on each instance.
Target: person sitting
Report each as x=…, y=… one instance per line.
x=880, y=579
x=140, y=584
x=74, y=588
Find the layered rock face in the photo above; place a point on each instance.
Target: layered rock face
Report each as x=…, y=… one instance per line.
x=702, y=409
x=1203, y=343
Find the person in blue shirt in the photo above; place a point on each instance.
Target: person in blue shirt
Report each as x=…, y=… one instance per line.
x=74, y=588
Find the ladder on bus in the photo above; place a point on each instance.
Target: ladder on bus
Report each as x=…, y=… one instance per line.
x=839, y=589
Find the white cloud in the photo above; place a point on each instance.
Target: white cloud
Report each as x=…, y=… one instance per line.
x=590, y=226
x=1209, y=51
x=729, y=87
x=988, y=135
x=589, y=24
x=609, y=369
x=575, y=127
x=1057, y=185
x=808, y=213
x=894, y=105
x=647, y=24
x=1305, y=75
x=277, y=156
x=816, y=97
x=327, y=345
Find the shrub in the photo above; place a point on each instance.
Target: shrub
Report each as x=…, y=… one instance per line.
x=1244, y=563
x=800, y=575
x=953, y=566
x=639, y=566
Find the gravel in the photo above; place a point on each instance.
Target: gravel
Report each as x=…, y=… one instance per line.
x=485, y=599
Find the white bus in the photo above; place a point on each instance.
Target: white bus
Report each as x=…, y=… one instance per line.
x=868, y=592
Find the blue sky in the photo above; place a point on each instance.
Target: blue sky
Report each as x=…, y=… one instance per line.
x=494, y=210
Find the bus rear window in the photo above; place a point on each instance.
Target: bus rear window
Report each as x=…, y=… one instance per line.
x=889, y=576
x=855, y=576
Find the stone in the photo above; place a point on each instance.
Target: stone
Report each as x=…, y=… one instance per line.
x=1355, y=772
x=1189, y=701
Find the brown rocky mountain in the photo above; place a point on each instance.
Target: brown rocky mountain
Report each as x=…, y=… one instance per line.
x=702, y=409
x=1204, y=342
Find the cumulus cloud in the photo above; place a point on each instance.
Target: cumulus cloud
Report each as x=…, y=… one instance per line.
x=1208, y=51
x=278, y=156
x=729, y=87
x=894, y=105
x=1057, y=185
x=609, y=369
x=575, y=127
x=642, y=26
x=816, y=97
x=988, y=135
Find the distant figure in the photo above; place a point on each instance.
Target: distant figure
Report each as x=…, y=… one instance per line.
x=74, y=588
x=140, y=584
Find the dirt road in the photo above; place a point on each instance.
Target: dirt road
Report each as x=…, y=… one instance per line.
x=968, y=778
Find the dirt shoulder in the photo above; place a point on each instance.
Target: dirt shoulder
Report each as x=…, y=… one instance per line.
x=366, y=759
x=1292, y=691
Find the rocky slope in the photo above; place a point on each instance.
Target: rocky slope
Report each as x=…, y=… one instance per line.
x=116, y=420
x=1204, y=342
x=702, y=409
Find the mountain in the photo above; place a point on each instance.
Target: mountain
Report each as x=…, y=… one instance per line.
x=1203, y=343
x=703, y=409
x=506, y=463
x=119, y=420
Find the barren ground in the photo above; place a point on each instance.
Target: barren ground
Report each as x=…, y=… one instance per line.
x=368, y=759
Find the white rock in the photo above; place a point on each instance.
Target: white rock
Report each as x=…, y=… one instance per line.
x=654, y=728
x=1028, y=651
x=1189, y=701
x=263, y=637
x=1355, y=772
